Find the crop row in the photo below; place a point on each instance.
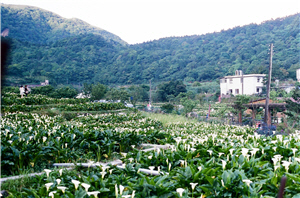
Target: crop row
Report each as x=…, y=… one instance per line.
x=30, y=140
x=64, y=107
x=203, y=160
x=15, y=99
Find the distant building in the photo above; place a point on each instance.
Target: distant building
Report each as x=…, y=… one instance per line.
x=242, y=84
x=298, y=75
x=42, y=84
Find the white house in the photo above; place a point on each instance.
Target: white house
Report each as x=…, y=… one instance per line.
x=242, y=84
x=298, y=75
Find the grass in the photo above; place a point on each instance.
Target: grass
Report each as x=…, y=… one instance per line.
x=168, y=119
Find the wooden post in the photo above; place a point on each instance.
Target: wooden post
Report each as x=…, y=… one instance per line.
x=253, y=115
x=269, y=121
x=240, y=117
x=266, y=119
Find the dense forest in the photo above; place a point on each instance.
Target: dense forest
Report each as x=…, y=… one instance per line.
x=69, y=51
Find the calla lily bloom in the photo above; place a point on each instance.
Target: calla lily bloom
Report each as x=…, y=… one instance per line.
x=223, y=164
x=254, y=150
x=47, y=172
x=76, y=183
x=51, y=194
x=95, y=193
x=244, y=151
x=294, y=151
x=86, y=186
x=231, y=151
x=222, y=183
x=247, y=181
x=193, y=185
x=151, y=168
x=286, y=164
x=62, y=188
x=133, y=194
x=210, y=152
x=103, y=174
x=180, y=191
x=116, y=190
x=276, y=167
x=124, y=154
x=58, y=181
x=48, y=185
x=121, y=189
x=60, y=172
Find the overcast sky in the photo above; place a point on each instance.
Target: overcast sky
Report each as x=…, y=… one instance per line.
x=137, y=21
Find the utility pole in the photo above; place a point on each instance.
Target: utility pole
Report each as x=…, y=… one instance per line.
x=267, y=118
x=150, y=93
x=242, y=82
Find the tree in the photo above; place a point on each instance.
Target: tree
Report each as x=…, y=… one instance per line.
x=138, y=93
x=64, y=92
x=170, y=88
x=87, y=88
x=168, y=108
x=239, y=102
x=98, y=91
x=43, y=90
x=293, y=108
x=188, y=105
x=117, y=94
x=200, y=97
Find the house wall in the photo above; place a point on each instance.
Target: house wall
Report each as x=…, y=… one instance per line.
x=298, y=75
x=233, y=84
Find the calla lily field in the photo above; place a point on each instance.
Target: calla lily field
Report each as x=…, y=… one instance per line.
x=198, y=160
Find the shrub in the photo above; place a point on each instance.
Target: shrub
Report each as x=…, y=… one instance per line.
x=168, y=108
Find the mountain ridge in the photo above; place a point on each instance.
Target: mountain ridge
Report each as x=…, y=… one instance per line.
x=52, y=26
x=203, y=57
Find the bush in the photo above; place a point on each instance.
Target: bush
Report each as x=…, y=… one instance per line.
x=10, y=89
x=69, y=115
x=43, y=90
x=62, y=92
x=168, y=108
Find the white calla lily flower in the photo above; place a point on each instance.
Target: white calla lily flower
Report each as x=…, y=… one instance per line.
x=180, y=191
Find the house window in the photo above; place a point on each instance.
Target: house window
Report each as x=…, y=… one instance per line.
x=230, y=80
x=258, y=79
x=257, y=90
x=225, y=80
x=236, y=91
x=230, y=91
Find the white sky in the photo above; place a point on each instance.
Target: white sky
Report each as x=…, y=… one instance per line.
x=137, y=21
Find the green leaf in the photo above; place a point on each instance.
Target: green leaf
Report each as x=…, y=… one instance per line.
x=80, y=193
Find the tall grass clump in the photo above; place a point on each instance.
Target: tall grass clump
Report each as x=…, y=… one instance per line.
x=168, y=119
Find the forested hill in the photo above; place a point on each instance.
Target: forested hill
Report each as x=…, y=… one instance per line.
x=91, y=58
x=35, y=25
x=214, y=55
